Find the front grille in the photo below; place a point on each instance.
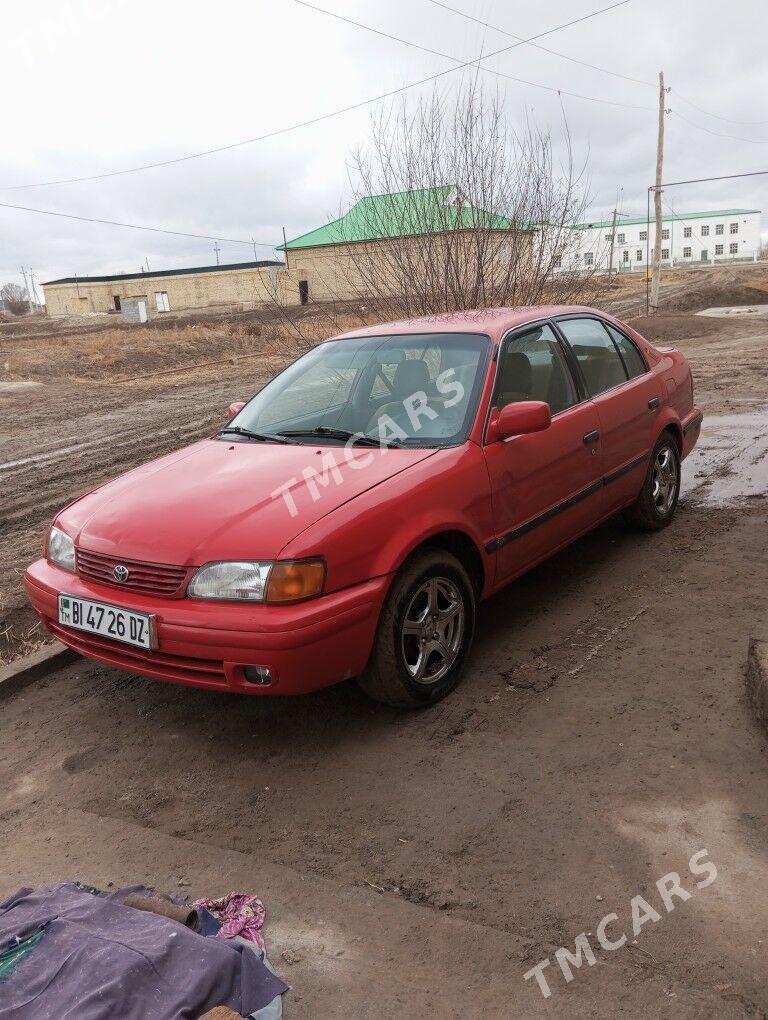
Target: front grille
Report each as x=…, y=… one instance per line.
x=151, y=578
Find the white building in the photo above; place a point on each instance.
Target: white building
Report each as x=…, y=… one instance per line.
x=699, y=237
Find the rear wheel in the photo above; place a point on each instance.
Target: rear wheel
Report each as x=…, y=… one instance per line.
x=655, y=507
x=424, y=633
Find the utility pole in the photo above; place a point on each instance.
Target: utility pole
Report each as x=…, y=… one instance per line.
x=26, y=287
x=285, y=249
x=656, y=281
x=217, y=249
x=35, y=296
x=613, y=241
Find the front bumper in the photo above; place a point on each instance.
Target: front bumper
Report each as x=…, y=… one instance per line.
x=208, y=644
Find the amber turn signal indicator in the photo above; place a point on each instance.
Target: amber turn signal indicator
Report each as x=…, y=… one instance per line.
x=295, y=580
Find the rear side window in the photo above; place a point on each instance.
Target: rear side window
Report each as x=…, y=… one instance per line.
x=596, y=353
x=632, y=358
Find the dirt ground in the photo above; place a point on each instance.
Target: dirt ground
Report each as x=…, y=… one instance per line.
x=418, y=864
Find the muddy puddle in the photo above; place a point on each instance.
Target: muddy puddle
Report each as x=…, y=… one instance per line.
x=729, y=465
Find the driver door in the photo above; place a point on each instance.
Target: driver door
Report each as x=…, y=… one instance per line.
x=545, y=486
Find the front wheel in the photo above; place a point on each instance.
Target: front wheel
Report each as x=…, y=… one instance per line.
x=424, y=633
x=655, y=507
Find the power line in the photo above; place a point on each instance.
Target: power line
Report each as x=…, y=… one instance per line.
x=457, y=60
x=596, y=67
x=706, y=180
x=546, y=49
x=717, y=116
x=134, y=226
x=719, y=134
x=314, y=120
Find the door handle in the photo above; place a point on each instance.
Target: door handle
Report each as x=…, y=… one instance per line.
x=653, y=403
x=591, y=437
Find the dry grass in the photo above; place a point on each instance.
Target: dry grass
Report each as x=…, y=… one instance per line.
x=112, y=352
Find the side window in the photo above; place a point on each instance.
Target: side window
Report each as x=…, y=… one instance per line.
x=596, y=354
x=632, y=357
x=532, y=367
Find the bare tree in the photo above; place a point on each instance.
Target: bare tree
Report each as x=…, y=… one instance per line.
x=14, y=298
x=452, y=210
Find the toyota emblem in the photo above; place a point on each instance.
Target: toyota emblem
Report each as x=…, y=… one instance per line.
x=120, y=573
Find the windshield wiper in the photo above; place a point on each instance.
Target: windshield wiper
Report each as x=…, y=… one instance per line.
x=360, y=438
x=263, y=437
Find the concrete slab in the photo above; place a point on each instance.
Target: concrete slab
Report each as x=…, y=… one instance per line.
x=37, y=664
x=346, y=951
x=15, y=385
x=736, y=311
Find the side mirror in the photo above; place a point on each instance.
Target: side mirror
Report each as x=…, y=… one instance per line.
x=235, y=408
x=519, y=419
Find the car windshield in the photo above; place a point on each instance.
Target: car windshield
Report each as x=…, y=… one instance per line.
x=415, y=390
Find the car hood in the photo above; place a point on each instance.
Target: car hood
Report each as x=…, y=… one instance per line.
x=220, y=500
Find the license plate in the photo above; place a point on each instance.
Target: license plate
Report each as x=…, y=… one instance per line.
x=107, y=621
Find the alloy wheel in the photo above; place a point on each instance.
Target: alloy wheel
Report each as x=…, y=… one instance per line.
x=665, y=481
x=432, y=630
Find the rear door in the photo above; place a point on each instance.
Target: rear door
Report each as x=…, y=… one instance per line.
x=627, y=397
x=545, y=486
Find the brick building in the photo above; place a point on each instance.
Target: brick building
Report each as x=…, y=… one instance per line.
x=324, y=264
x=239, y=285
x=321, y=265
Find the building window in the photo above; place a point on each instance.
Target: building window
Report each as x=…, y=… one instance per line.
x=687, y=231
x=686, y=253
x=116, y=301
x=705, y=231
x=625, y=257
x=639, y=254
x=719, y=228
x=643, y=235
x=665, y=235
x=718, y=249
x=621, y=238
x=734, y=228
x=733, y=249
x=161, y=301
x=589, y=258
x=557, y=264
x=665, y=253
x=609, y=237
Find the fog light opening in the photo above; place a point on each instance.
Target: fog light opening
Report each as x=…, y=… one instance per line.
x=258, y=675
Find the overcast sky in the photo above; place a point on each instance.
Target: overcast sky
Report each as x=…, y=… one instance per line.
x=91, y=87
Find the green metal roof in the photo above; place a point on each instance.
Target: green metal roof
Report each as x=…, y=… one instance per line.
x=401, y=214
x=718, y=213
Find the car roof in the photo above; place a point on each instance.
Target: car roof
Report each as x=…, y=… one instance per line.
x=493, y=321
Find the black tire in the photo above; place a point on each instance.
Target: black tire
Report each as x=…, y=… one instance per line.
x=653, y=510
x=432, y=578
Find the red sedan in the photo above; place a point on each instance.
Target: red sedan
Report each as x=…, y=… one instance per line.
x=351, y=516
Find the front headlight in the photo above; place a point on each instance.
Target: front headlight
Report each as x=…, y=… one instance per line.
x=60, y=549
x=259, y=581
x=245, y=580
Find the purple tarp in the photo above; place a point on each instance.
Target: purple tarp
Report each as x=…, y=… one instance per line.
x=99, y=959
